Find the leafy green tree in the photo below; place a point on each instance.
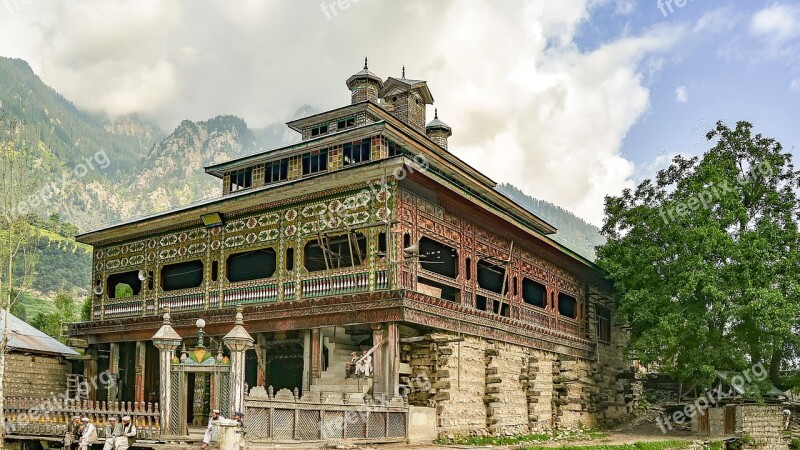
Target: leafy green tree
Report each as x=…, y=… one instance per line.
x=123, y=290
x=705, y=258
x=86, y=309
x=52, y=323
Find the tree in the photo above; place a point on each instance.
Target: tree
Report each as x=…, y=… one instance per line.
x=52, y=323
x=17, y=182
x=705, y=258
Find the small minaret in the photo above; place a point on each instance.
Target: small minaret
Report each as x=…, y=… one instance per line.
x=364, y=86
x=406, y=99
x=438, y=131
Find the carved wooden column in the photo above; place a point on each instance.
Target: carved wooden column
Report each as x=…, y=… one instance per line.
x=166, y=340
x=306, y=361
x=316, y=354
x=392, y=364
x=379, y=371
x=113, y=371
x=238, y=341
x=90, y=372
x=141, y=358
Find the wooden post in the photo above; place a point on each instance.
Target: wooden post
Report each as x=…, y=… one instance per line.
x=90, y=372
x=379, y=371
x=316, y=354
x=113, y=370
x=141, y=358
x=306, y=360
x=392, y=361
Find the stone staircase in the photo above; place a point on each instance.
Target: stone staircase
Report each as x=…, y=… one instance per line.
x=333, y=384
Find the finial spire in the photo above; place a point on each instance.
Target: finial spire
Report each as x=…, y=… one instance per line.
x=365, y=63
x=404, y=72
x=436, y=113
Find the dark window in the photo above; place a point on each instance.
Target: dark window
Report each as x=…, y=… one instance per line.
x=603, y=324
x=290, y=259
x=394, y=148
x=468, y=264
x=241, y=179
x=339, y=251
x=505, y=311
x=567, y=305
x=406, y=241
x=514, y=285
x=346, y=123
x=252, y=265
x=356, y=152
x=126, y=284
x=276, y=171
x=480, y=302
x=382, y=243
x=438, y=258
x=214, y=270
x=314, y=162
x=183, y=275
x=320, y=129
x=534, y=293
x=491, y=276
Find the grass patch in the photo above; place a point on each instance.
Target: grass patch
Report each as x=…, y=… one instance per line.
x=655, y=445
x=523, y=439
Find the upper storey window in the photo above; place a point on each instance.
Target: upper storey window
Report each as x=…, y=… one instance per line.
x=241, y=179
x=346, y=123
x=275, y=171
x=314, y=162
x=356, y=152
x=319, y=129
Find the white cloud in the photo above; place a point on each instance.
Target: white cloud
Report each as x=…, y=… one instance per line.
x=717, y=21
x=795, y=85
x=624, y=7
x=527, y=106
x=777, y=22
x=681, y=94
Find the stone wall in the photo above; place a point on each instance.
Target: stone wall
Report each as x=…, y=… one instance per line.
x=35, y=375
x=762, y=423
x=484, y=387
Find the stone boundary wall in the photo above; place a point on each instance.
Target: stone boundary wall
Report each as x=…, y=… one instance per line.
x=764, y=424
x=484, y=387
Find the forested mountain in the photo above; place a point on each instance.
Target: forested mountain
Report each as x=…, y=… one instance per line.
x=573, y=232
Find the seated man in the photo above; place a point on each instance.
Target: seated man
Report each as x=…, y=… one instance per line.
x=211, y=431
x=112, y=431
x=351, y=366
x=88, y=434
x=364, y=365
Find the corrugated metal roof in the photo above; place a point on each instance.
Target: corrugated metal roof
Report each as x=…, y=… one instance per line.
x=25, y=337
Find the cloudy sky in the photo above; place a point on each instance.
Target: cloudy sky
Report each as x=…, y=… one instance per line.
x=569, y=100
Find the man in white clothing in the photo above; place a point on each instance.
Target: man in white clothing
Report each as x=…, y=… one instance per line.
x=128, y=436
x=211, y=431
x=88, y=435
x=112, y=431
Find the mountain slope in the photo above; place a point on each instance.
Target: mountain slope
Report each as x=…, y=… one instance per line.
x=573, y=232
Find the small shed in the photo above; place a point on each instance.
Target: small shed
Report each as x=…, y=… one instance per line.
x=735, y=413
x=36, y=364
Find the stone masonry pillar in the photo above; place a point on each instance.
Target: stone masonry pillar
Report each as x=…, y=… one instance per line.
x=392, y=363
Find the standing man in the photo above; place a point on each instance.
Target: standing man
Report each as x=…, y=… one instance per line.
x=112, y=431
x=88, y=435
x=211, y=431
x=128, y=437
